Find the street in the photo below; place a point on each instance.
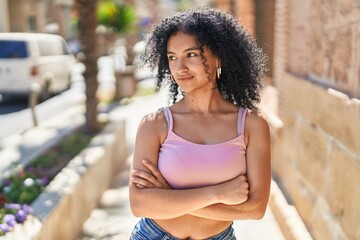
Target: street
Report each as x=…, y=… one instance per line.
x=15, y=114
x=14, y=106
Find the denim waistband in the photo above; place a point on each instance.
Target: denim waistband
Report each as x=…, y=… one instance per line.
x=150, y=226
x=227, y=234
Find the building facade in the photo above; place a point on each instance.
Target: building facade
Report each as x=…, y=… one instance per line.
x=258, y=18
x=53, y=16
x=4, y=16
x=315, y=66
x=317, y=153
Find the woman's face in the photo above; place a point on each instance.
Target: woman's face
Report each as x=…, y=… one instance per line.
x=186, y=64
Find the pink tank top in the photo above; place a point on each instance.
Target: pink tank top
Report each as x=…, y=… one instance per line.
x=185, y=164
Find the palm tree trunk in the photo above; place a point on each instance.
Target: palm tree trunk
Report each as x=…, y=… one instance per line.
x=86, y=25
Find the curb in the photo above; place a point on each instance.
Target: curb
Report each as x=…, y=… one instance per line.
x=289, y=220
x=76, y=190
x=28, y=145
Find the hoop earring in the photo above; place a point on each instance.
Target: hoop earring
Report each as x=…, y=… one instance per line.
x=218, y=72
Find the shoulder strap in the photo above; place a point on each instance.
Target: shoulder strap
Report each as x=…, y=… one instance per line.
x=168, y=117
x=241, y=121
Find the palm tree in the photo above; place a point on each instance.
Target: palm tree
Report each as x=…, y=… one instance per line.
x=87, y=23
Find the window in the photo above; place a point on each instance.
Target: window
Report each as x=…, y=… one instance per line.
x=50, y=47
x=32, y=23
x=13, y=49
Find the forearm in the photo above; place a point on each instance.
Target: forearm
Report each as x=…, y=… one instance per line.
x=251, y=209
x=172, y=203
x=169, y=203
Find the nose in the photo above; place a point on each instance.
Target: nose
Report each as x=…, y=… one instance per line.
x=181, y=67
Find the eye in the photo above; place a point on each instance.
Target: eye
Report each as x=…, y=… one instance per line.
x=171, y=58
x=191, y=54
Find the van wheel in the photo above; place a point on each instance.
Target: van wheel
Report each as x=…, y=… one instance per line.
x=45, y=92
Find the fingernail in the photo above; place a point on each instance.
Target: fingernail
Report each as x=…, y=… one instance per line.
x=144, y=161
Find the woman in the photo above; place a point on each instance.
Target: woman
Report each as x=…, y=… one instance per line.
x=204, y=161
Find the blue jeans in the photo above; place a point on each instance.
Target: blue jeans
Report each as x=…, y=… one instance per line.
x=147, y=229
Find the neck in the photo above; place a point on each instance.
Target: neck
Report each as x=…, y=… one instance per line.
x=204, y=103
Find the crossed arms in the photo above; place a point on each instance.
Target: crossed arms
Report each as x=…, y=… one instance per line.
x=244, y=197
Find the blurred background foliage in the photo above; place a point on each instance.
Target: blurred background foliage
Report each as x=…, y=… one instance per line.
x=116, y=16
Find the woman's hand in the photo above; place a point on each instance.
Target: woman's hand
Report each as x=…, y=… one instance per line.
x=154, y=179
x=234, y=191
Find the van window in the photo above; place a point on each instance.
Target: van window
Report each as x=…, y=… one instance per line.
x=66, y=48
x=13, y=49
x=50, y=48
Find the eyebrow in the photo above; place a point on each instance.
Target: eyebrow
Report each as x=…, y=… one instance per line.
x=186, y=50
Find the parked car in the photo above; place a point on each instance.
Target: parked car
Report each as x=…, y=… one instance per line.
x=28, y=58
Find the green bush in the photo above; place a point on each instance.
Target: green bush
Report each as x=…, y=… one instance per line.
x=118, y=17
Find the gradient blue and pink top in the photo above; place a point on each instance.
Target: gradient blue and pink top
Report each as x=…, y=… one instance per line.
x=185, y=164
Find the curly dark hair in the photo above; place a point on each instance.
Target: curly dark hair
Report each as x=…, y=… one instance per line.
x=242, y=61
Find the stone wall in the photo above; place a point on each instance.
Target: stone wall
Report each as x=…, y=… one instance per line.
x=326, y=36
x=316, y=155
x=243, y=10
x=257, y=16
x=225, y=5
x=264, y=29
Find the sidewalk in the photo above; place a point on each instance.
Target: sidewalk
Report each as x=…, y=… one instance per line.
x=21, y=142
x=113, y=218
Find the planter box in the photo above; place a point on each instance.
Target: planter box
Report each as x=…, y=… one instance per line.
x=62, y=208
x=125, y=82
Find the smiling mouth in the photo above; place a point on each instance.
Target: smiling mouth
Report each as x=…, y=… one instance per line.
x=185, y=78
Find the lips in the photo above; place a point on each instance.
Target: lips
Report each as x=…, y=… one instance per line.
x=184, y=78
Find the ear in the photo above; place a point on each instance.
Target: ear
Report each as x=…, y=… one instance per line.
x=218, y=62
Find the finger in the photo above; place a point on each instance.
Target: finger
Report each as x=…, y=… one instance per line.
x=140, y=186
x=143, y=182
x=157, y=174
x=146, y=176
x=153, y=169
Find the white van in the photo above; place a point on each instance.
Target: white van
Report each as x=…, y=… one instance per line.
x=27, y=58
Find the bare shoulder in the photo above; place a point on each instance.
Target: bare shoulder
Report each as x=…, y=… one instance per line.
x=153, y=117
x=256, y=123
x=153, y=123
x=149, y=138
x=255, y=117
